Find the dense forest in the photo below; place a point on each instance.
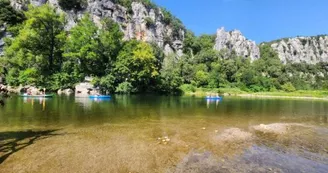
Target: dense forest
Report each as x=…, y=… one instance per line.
x=43, y=54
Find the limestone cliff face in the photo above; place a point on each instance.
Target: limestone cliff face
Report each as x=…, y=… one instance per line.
x=2, y=36
x=134, y=24
x=310, y=50
x=234, y=40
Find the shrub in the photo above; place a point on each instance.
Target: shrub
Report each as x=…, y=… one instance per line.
x=288, y=87
x=124, y=88
x=188, y=88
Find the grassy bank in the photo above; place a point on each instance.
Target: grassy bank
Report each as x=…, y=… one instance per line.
x=300, y=93
x=201, y=92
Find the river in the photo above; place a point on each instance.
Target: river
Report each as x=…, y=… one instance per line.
x=163, y=134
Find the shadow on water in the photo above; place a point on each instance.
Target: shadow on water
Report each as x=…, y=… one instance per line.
x=12, y=142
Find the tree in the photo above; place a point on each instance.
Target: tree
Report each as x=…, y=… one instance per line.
x=110, y=37
x=207, y=57
x=37, y=47
x=83, y=48
x=170, y=79
x=9, y=15
x=136, y=64
x=269, y=62
x=201, y=78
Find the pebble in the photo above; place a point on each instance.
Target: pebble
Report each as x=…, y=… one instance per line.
x=164, y=140
x=204, y=128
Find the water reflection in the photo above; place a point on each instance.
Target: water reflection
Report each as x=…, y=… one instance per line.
x=70, y=110
x=87, y=103
x=212, y=101
x=32, y=101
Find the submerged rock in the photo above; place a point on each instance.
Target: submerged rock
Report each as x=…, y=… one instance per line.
x=233, y=135
x=276, y=128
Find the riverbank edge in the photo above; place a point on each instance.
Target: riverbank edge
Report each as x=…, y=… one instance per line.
x=266, y=96
x=309, y=95
x=282, y=97
x=235, y=92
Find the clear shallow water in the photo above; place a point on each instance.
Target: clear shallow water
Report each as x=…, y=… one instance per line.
x=62, y=111
x=163, y=134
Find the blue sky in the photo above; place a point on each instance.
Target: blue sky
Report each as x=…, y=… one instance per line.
x=258, y=20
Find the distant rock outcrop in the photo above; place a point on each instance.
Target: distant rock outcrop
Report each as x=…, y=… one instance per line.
x=310, y=50
x=234, y=40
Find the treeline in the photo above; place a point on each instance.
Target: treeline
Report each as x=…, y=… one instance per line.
x=43, y=54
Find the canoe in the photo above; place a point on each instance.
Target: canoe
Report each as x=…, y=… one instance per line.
x=99, y=97
x=213, y=97
x=37, y=96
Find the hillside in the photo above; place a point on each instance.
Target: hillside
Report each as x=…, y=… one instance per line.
x=138, y=19
x=127, y=46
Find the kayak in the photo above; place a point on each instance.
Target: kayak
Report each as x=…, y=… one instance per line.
x=213, y=97
x=37, y=96
x=99, y=97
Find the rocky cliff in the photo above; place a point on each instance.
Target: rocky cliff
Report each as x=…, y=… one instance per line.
x=2, y=36
x=140, y=22
x=310, y=50
x=234, y=40
x=148, y=23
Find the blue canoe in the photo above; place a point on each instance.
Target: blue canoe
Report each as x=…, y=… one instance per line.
x=213, y=97
x=99, y=97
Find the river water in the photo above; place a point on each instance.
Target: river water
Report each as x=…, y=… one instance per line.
x=163, y=134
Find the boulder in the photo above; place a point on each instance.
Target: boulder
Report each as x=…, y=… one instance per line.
x=67, y=92
x=85, y=89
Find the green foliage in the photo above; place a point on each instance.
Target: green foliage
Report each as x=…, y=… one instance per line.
x=136, y=63
x=37, y=46
x=188, y=88
x=288, y=87
x=9, y=15
x=201, y=78
x=193, y=45
x=125, y=88
x=28, y=76
x=106, y=83
x=170, y=79
x=83, y=46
